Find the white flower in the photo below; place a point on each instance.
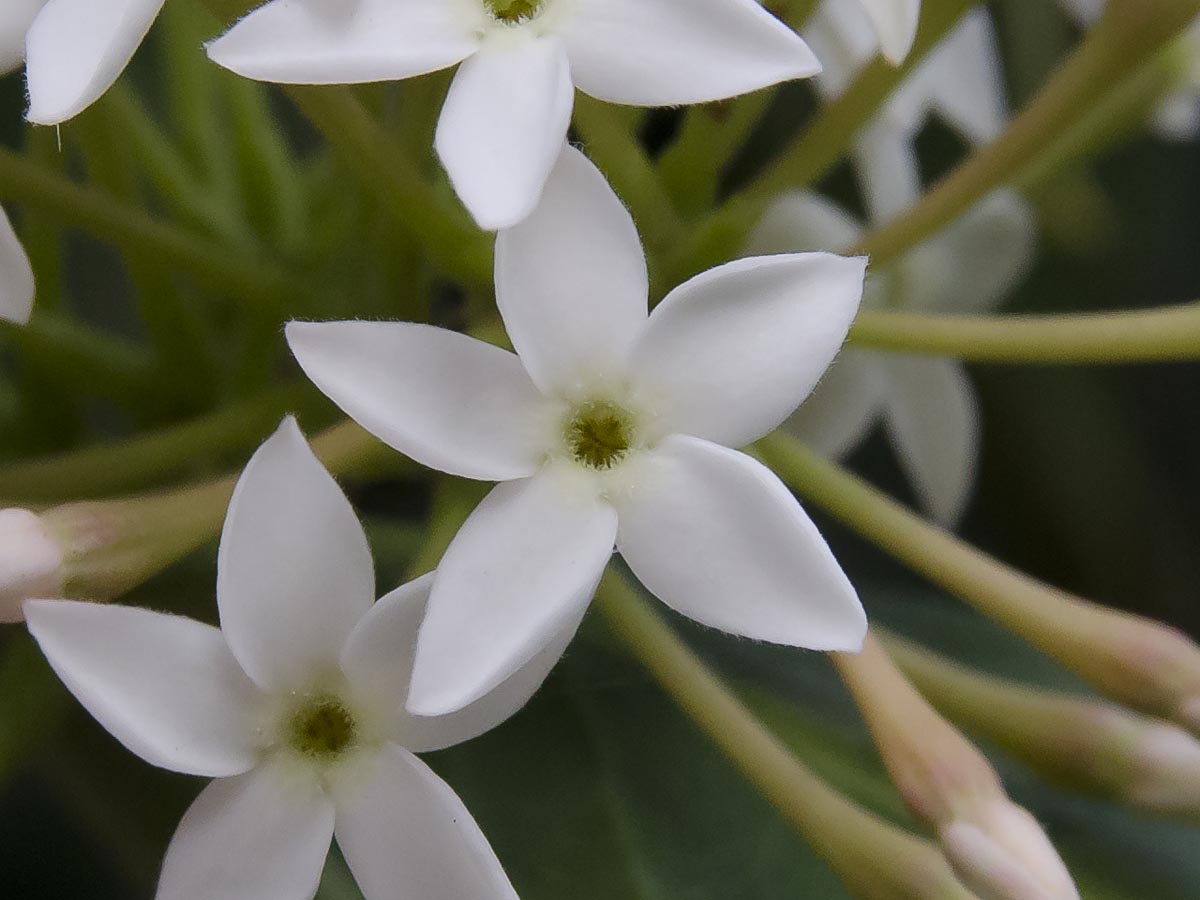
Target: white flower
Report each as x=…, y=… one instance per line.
x=1177, y=116
x=15, y=19
x=960, y=79
x=31, y=561
x=508, y=109
x=295, y=706
x=895, y=23
x=76, y=49
x=606, y=416
x=927, y=405
x=16, y=276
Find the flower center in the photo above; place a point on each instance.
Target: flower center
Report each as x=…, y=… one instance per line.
x=322, y=729
x=599, y=434
x=513, y=11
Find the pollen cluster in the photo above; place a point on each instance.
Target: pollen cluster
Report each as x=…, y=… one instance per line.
x=513, y=11
x=322, y=729
x=599, y=434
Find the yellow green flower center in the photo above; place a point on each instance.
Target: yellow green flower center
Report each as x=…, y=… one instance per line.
x=322, y=729
x=513, y=11
x=599, y=434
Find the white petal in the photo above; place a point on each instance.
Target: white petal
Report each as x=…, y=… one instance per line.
x=841, y=35
x=571, y=279
x=15, y=19
x=503, y=126
x=378, y=659
x=294, y=572
x=166, y=687
x=670, y=52
x=406, y=834
x=1084, y=11
x=76, y=49
x=718, y=537
x=16, y=276
x=896, y=25
x=839, y=414
x=261, y=836
x=973, y=264
x=933, y=420
x=521, y=568
x=730, y=354
x=803, y=221
x=450, y=402
x=1177, y=117
x=888, y=169
x=322, y=42
x=961, y=79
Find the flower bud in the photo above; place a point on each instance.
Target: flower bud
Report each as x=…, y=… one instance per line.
x=31, y=562
x=1001, y=853
x=1166, y=771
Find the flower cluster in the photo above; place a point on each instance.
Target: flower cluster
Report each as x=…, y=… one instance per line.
x=613, y=417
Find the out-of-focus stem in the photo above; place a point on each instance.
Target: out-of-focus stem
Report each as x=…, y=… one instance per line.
x=1125, y=38
x=875, y=859
x=1134, y=660
x=1153, y=335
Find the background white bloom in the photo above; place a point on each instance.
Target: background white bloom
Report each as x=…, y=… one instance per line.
x=76, y=49
x=508, y=109
x=895, y=23
x=609, y=426
x=295, y=706
x=16, y=276
x=926, y=404
x=15, y=18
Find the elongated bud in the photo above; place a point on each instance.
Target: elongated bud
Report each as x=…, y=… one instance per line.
x=31, y=562
x=1088, y=744
x=1001, y=853
x=996, y=847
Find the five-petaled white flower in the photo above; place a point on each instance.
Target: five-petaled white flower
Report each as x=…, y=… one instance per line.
x=506, y=115
x=16, y=276
x=73, y=49
x=927, y=404
x=295, y=705
x=606, y=416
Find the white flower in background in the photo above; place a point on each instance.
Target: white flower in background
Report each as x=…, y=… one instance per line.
x=506, y=115
x=31, y=561
x=74, y=49
x=1177, y=116
x=927, y=405
x=608, y=426
x=295, y=706
x=960, y=80
x=895, y=23
x=15, y=18
x=16, y=276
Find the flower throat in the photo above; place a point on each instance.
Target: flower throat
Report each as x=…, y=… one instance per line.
x=513, y=11
x=322, y=729
x=599, y=435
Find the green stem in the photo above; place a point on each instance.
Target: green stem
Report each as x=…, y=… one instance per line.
x=1134, y=660
x=138, y=462
x=106, y=218
x=451, y=240
x=1127, y=37
x=874, y=858
x=1156, y=335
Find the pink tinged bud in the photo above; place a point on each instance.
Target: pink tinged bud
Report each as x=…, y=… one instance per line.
x=1167, y=771
x=1001, y=853
x=1189, y=714
x=31, y=562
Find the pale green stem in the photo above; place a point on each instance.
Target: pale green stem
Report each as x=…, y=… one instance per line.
x=874, y=858
x=138, y=462
x=133, y=230
x=1127, y=37
x=1132, y=659
x=112, y=546
x=1155, y=335
x=450, y=239
x=608, y=139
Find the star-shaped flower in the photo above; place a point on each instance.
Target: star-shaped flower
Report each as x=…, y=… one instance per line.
x=16, y=276
x=927, y=404
x=508, y=109
x=295, y=706
x=74, y=49
x=607, y=426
